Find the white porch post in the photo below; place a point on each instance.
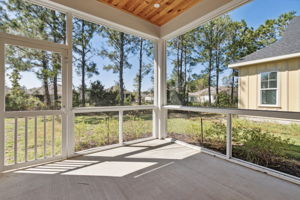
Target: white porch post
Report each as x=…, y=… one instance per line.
x=155, y=112
x=121, y=140
x=229, y=136
x=2, y=104
x=70, y=136
x=160, y=59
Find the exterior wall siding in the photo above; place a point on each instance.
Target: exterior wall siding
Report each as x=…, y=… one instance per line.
x=288, y=85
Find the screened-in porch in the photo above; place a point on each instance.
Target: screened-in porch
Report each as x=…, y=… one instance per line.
x=124, y=100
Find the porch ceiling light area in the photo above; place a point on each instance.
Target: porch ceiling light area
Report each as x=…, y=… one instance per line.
x=111, y=168
x=156, y=12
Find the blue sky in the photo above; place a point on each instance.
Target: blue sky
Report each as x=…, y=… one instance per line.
x=255, y=13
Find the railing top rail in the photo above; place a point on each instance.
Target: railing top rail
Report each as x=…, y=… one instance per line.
x=260, y=113
x=111, y=108
x=9, y=114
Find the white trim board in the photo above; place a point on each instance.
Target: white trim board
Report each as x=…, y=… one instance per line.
x=271, y=59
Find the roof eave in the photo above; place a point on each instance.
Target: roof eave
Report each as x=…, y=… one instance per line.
x=264, y=60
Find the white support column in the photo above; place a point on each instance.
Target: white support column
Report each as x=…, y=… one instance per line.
x=70, y=144
x=2, y=103
x=161, y=89
x=155, y=103
x=121, y=127
x=229, y=136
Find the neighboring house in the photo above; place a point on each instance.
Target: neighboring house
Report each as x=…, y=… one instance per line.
x=40, y=92
x=202, y=96
x=149, y=99
x=270, y=77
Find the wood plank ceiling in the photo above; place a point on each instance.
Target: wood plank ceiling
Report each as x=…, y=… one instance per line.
x=168, y=9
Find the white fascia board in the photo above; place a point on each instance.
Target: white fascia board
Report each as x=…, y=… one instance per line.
x=271, y=59
x=198, y=15
x=105, y=15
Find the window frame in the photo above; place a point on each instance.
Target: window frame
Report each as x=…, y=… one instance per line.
x=277, y=104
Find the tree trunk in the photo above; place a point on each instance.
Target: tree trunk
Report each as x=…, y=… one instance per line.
x=217, y=76
x=177, y=67
x=140, y=73
x=185, y=77
x=121, y=92
x=83, y=63
x=181, y=72
x=209, y=76
x=56, y=64
x=47, y=99
x=55, y=59
x=232, y=86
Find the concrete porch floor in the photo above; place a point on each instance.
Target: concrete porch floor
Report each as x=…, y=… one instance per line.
x=155, y=169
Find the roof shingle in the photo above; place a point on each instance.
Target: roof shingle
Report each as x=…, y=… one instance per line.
x=288, y=44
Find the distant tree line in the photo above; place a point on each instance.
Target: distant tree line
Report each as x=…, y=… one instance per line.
x=213, y=46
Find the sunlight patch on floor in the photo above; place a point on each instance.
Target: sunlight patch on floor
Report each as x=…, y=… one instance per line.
x=57, y=167
x=172, y=151
x=151, y=143
x=115, y=152
x=111, y=168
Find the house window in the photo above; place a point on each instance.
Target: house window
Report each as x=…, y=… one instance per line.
x=268, y=88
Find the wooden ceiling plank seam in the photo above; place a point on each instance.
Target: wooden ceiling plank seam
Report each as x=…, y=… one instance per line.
x=140, y=7
x=150, y=8
x=132, y=5
x=166, y=10
x=124, y=10
x=115, y=2
x=176, y=12
x=145, y=9
x=122, y=3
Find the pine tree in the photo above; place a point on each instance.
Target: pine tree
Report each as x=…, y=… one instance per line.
x=119, y=49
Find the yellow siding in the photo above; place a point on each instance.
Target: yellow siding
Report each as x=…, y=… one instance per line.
x=289, y=85
x=254, y=85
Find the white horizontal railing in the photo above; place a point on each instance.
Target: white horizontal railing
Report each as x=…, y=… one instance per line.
x=235, y=111
x=13, y=114
x=229, y=112
x=111, y=108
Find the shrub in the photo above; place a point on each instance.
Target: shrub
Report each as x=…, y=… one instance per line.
x=258, y=146
x=216, y=130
